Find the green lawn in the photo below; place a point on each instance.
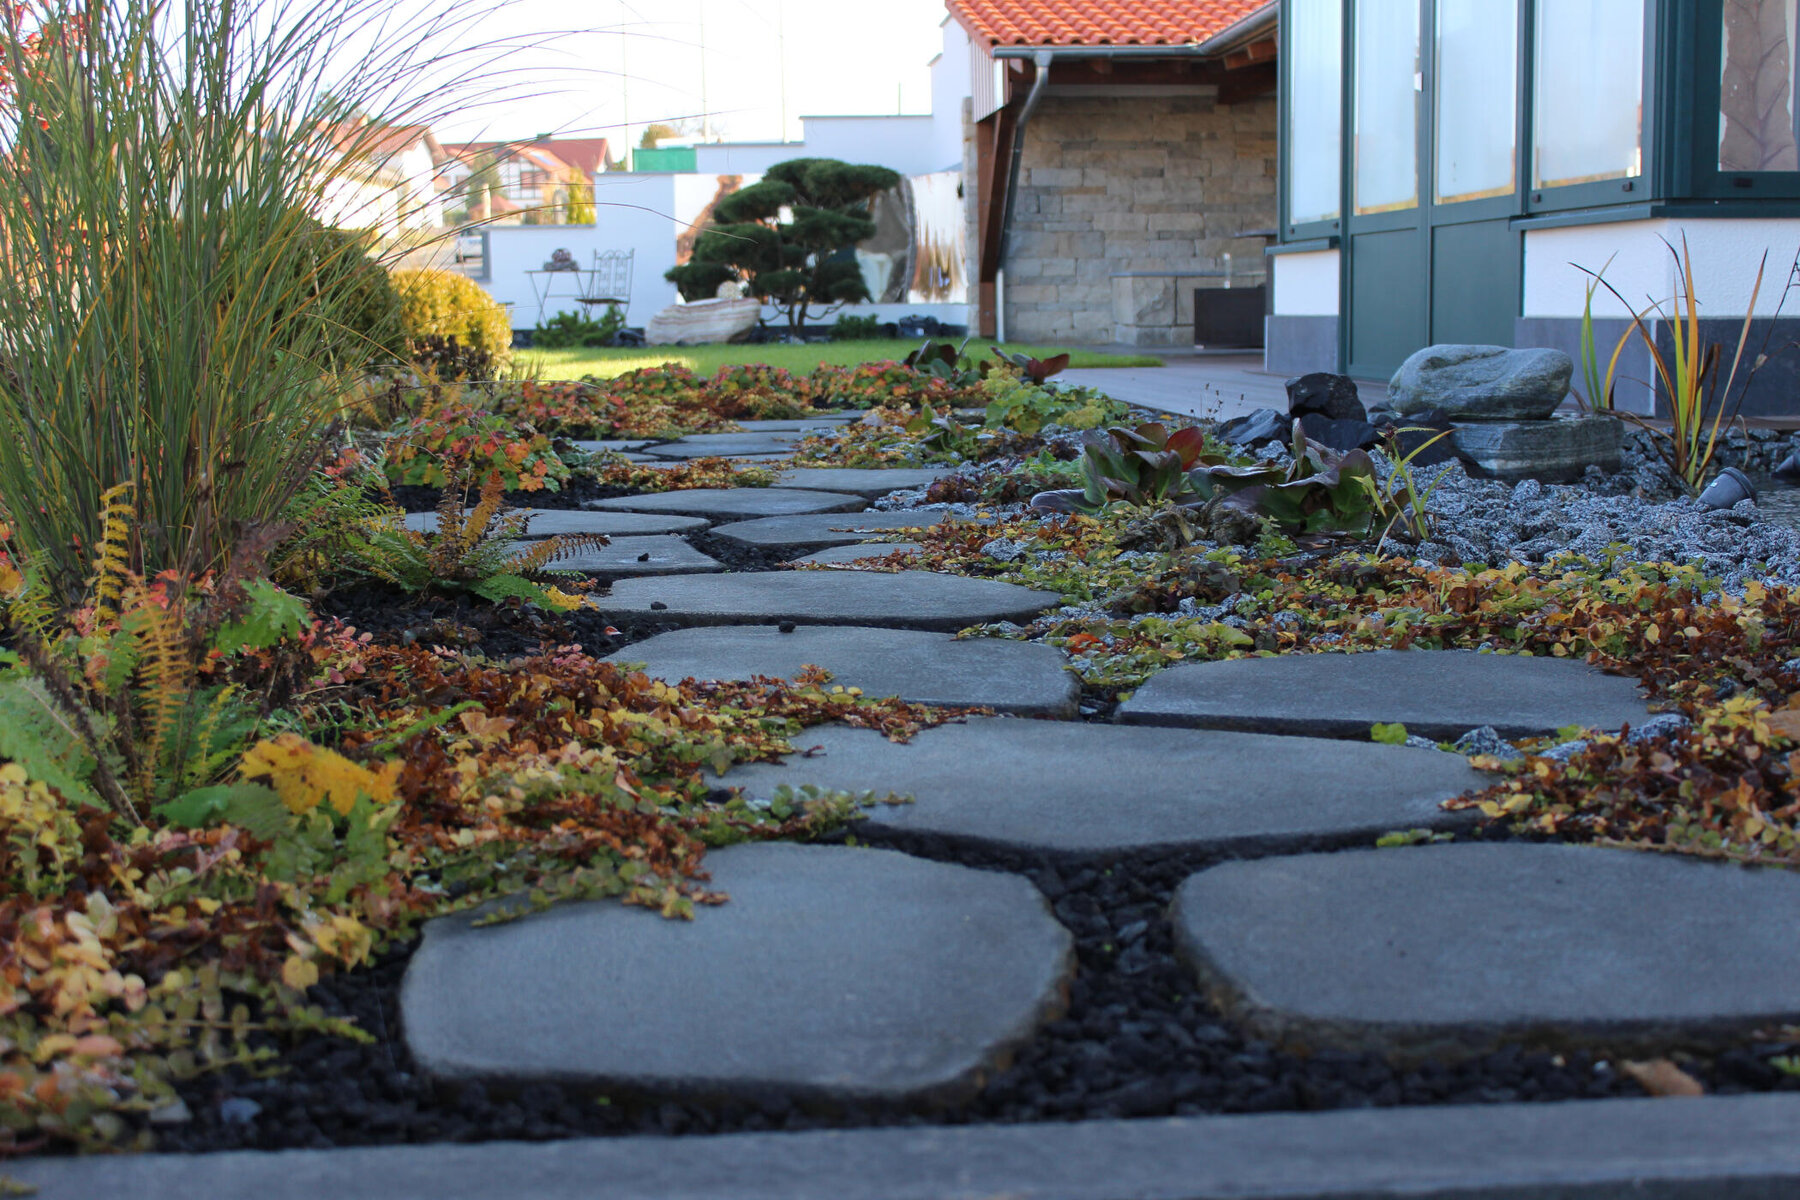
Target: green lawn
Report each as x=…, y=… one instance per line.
x=705, y=360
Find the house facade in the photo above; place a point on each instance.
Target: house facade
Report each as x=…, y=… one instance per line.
x=1451, y=170
x=543, y=182
x=1121, y=154
x=386, y=181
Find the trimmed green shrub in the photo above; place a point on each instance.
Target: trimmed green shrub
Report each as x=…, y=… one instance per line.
x=445, y=304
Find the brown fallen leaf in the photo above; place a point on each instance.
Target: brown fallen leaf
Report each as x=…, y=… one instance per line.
x=1786, y=722
x=1660, y=1077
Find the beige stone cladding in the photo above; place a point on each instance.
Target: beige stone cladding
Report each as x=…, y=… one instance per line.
x=1125, y=186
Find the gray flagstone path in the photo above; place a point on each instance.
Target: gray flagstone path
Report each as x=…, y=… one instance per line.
x=732, y=504
x=788, y=533
x=901, y=600
x=1435, y=949
x=1107, y=789
x=862, y=481
x=548, y=521
x=660, y=554
x=1439, y=695
x=856, y=552
x=920, y=667
x=835, y=972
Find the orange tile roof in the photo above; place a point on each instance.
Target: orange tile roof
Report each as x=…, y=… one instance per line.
x=1100, y=22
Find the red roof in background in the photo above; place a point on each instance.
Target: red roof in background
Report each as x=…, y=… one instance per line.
x=1100, y=22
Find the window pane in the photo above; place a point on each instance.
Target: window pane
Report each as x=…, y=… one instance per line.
x=1756, y=87
x=1387, y=105
x=1589, y=93
x=1477, y=97
x=1315, y=110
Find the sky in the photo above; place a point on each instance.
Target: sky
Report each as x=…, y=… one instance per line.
x=593, y=65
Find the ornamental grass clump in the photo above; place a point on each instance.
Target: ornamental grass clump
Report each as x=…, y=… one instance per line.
x=171, y=316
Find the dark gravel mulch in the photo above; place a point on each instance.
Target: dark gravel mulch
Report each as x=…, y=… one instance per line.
x=465, y=623
x=417, y=497
x=1136, y=1041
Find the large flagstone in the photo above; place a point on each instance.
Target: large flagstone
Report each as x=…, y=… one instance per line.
x=900, y=600
x=870, y=482
x=1096, y=788
x=731, y=504
x=1439, y=694
x=831, y=971
x=546, y=522
x=920, y=667
x=1454, y=947
x=827, y=529
x=658, y=555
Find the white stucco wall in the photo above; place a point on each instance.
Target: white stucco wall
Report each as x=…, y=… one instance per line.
x=950, y=87
x=1306, y=284
x=1726, y=254
x=633, y=212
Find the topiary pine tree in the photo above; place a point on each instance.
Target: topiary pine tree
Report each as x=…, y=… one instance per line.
x=789, y=238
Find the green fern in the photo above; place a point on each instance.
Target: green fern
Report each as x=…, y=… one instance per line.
x=40, y=736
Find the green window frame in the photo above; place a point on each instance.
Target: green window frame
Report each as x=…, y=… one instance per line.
x=1328, y=228
x=1696, y=29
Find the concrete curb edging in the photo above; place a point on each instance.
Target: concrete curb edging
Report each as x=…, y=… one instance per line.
x=1714, y=1148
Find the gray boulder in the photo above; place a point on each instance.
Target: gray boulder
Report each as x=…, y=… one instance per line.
x=1482, y=383
x=1329, y=395
x=1557, y=451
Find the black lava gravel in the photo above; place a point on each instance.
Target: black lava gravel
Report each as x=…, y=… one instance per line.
x=1136, y=1041
x=415, y=497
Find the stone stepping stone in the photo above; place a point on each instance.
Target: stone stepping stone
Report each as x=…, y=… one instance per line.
x=791, y=533
x=625, y=446
x=726, y=445
x=868, y=482
x=861, y=552
x=1439, y=694
x=799, y=424
x=1453, y=947
x=628, y=556
x=546, y=522
x=1098, y=789
x=924, y=668
x=832, y=972
x=901, y=599
x=731, y=504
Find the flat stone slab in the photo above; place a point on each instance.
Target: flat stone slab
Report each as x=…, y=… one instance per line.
x=900, y=599
x=787, y=533
x=614, y=445
x=857, y=553
x=1711, y=1147
x=923, y=668
x=870, y=482
x=1436, y=948
x=546, y=522
x=798, y=424
x=732, y=504
x=832, y=972
x=727, y=445
x=1439, y=694
x=1093, y=788
x=656, y=555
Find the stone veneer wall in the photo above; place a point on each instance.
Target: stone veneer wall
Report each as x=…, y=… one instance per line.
x=1112, y=185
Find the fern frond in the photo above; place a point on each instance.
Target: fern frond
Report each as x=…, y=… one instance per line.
x=118, y=512
x=166, y=679
x=532, y=558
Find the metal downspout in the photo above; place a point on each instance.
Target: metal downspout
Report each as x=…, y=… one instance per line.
x=1041, y=59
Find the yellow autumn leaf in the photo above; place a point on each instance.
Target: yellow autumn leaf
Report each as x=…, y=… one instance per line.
x=299, y=973
x=1653, y=634
x=305, y=775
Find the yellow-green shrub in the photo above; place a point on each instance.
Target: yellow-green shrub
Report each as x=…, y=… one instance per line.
x=445, y=304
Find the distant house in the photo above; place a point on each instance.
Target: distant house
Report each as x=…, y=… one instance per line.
x=1123, y=154
x=542, y=182
x=386, y=181
x=1448, y=166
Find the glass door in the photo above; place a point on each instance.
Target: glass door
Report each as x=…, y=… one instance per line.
x=1385, y=313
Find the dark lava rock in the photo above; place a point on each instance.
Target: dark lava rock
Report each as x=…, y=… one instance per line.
x=1331, y=396
x=1263, y=425
x=1342, y=436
